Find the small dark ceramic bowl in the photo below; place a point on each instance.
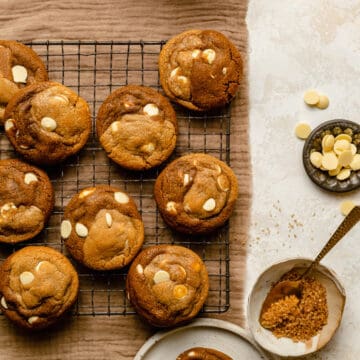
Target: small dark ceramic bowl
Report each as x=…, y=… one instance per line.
x=320, y=177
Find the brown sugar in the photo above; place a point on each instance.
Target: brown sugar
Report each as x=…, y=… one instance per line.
x=298, y=319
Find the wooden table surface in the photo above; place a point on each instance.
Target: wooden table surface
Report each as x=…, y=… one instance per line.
x=119, y=337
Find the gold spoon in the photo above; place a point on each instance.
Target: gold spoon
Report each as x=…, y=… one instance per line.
x=294, y=287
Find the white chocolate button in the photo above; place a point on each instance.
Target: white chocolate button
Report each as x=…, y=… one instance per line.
x=26, y=277
x=85, y=193
x=9, y=124
x=29, y=178
x=19, y=74
x=316, y=159
x=139, y=269
x=183, y=79
x=355, y=163
x=174, y=72
x=328, y=142
x=109, y=219
x=195, y=53
x=65, y=229
x=330, y=161
x=224, y=70
x=40, y=264
x=302, y=130
x=61, y=99
x=161, y=276
x=346, y=207
x=209, y=204
x=343, y=174
x=353, y=149
x=344, y=137
x=121, y=198
x=345, y=158
x=33, y=319
x=311, y=97
x=209, y=55
x=3, y=303
x=48, y=123
x=24, y=147
x=341, y=145
x=335, y=171
x=170, y=207
x=151, y=110
x=115, y=126
x=223, y=182
x=148, y=148
x=323, y=102
x=186, y=179
x=6, y=207
x=81, y=230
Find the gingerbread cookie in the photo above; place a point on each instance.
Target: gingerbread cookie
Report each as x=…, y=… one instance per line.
x=47, y=122
x=137, y=127
x=37, y=286
x=196, y=193
x=26, y=200
x=19, y=66
x=200, y=353
x=167, y=284
x=102, y=228
x=200, y=69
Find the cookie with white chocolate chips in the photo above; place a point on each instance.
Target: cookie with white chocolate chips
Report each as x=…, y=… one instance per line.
x=137, y=127
x=200, y=69
x=196, y=193
x=19, y=66
x=26, y=200
x=102, y=228
x=47, y=122
x=37, y=286
x=200, y=353
x=167, y=284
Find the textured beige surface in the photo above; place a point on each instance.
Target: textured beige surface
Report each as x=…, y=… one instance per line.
x=120, y=337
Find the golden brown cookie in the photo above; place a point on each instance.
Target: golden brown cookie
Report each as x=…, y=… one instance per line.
x=37, y=286
x=167, y=284
x=137, y=127
x=200, y=353
x=47, y=122
x=102, y=228
x=196, y=193
x=26, y=200
x=200, y=69
x=19, y=66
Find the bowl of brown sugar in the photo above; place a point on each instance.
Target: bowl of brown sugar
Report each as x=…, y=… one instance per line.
x=296, y=325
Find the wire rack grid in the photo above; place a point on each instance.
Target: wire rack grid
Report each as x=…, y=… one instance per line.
x=94, y=69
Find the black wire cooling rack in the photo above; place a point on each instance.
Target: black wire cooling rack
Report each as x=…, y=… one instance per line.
x=94, y=70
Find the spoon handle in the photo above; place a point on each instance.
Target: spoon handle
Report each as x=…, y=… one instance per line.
x=351, y=219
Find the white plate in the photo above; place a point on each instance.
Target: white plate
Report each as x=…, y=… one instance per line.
x=217, y=334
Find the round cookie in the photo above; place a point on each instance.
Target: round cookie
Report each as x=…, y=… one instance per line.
x=137, y=127
x=200, y=69
x=47, y=122
x=102, y=228
x=196, y=193
x=167, y=284
x=26, y=200
x=19, y=66
x=200, y=353
x=37, y=286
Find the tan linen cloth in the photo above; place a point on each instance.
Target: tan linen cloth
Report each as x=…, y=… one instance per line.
x=120, y=337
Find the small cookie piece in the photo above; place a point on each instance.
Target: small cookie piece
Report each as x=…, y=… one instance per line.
x=201, y=353
x=37, y=286
x=102, y=228
x=137, y=127
x=47, y=122
x=167, y=284
x=19, y=66
x=196, y=193
x=26, y=200
x=200, y=69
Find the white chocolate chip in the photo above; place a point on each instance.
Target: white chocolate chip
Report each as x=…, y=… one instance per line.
x=209, y=55
x=186, y=179
x=115, y=126
x=26, y=277
x=343, y=174
x=6, y=207
x=345, y=158
x=183, y=79
x=170, y=207
x=223, y=182
x=353, y=149
x=174, y=72
x=38, y=266
x=224, y=70
x=161, y=276
x=139, y=269
x=65, y=229
x=148, y=148
x=323, y=102
x=48, y=123
x=24, y=147
x=341, y=145
x=328, y=142
x=81, y=230
x=209, y=204
x=86, y=192
x=316, y=159
x=344, y=137
x=3, y=303
x=9, y=124
x=32, y=319
x=355, y=163
x=151, y=110
x=61, y=98
x=121, y=198
x=195, y=53
x=109, y=219
x=19, y=74
x=29, y=178
x=302, y=130
x=128, y=105
x=218, y=169
x=330, y=161
x=311, y=97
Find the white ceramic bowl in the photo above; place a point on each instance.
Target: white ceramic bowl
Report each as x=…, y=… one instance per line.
x=335, y=295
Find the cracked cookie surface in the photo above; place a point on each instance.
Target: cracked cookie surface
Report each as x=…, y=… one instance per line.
x=200, y=353
x=167, y=284
x=196, y=193
x=102, y=228
x=200, y=69
x=47, y=122
x=26, y=200
x=19, y=66
x=137, y=127
x=37, y=286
